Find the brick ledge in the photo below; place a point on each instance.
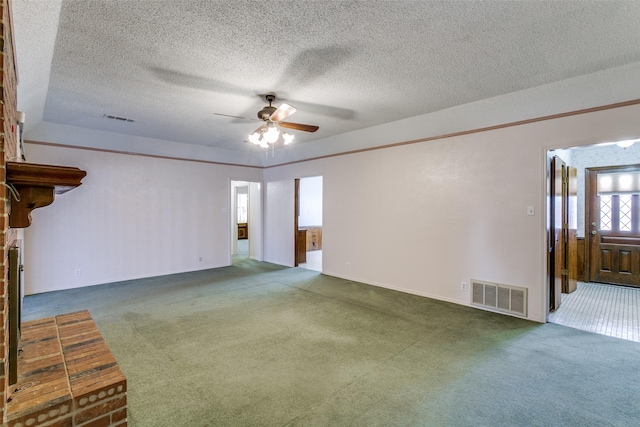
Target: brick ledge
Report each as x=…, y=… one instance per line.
x=67, y=375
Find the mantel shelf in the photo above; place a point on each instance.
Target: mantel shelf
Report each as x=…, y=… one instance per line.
x=37, y=186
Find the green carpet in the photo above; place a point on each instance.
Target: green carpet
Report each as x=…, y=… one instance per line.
x=259, y=345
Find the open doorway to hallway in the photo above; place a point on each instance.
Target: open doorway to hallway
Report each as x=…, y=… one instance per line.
x=246, y=221
x=309, y=231
x=606, y=256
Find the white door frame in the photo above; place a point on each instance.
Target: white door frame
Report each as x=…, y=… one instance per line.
x=254, y=217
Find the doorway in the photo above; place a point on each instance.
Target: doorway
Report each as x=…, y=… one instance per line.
x=308, y=223
x=613, y=216
x=246, y=221
x=607, y=258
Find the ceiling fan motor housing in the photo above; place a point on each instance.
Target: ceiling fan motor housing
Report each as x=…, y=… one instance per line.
x=266, y=112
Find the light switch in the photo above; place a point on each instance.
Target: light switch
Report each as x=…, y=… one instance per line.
x=531, y=211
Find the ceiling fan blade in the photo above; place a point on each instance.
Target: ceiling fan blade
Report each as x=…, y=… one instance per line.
x=283, y=111
x=298, y=126
x=260, y=129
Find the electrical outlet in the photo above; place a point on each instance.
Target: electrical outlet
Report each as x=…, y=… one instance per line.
x=463, y=286
x=200, y=259
x=77, y=272
x=347, y=264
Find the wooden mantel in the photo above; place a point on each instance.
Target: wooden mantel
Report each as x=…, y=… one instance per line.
x=36, y=186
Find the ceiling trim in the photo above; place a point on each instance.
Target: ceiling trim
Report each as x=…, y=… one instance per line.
x=131, y=153
x=381, y=147
x=472, y=131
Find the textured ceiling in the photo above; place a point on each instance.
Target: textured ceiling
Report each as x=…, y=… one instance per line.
x=346, y=65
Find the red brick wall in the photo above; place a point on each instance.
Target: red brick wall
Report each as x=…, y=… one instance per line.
x=8, y=143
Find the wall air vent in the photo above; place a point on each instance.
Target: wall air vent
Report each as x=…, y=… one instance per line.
x=498, y=297
x=122, y=119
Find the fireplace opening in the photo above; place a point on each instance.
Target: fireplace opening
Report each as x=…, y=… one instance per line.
x=15, y=303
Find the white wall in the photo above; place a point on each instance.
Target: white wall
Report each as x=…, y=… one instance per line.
x=255, y=221
x=424, y=217
x=132, y=217
x=278, y=220
x=419, y=218
x=310, y=202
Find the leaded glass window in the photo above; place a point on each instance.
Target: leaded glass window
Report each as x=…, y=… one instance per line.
x=605, y=213
x=625, y=212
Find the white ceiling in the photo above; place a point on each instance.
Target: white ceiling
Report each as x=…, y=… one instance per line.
x=346, y=65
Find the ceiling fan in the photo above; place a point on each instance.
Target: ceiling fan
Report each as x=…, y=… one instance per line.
x=273, y=117
x=276, y=115
x=269, y=133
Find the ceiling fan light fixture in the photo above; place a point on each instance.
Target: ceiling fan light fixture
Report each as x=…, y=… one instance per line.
x=626, y=143
x=288, y=138
x=271, y=135
x=254, y=138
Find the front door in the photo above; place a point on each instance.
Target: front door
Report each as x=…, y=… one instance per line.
x=613, y=229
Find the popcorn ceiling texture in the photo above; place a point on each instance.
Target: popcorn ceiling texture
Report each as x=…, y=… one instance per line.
x=346, y=65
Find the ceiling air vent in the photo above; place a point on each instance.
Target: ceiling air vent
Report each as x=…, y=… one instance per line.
x=500, y=298
x=122, y=119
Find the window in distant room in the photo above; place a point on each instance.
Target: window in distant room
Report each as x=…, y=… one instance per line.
x=242, y=208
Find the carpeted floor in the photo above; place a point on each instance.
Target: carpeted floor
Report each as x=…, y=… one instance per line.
x=257, y=344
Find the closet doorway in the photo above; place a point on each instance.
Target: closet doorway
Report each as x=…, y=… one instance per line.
x=308, y=223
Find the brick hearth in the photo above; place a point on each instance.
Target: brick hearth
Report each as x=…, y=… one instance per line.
x=67, y=376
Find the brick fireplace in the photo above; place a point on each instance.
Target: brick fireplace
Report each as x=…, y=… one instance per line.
x=66, y=374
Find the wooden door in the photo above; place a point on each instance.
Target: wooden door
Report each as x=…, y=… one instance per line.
x=296, y=214
x=557, y=216
x=613, y=228
x=570, y=202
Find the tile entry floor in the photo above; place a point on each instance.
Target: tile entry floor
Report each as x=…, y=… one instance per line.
x=314, y=261
x=604, y=309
